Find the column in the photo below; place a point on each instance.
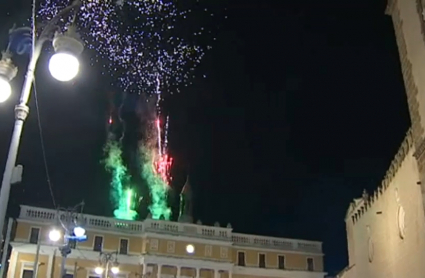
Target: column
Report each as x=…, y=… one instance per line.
x=144, y=269
x=230, y=274
x=216, y=273
x=13, y=266
x=50, y=266
x=198, y=272
x=179, y=270
x=159, y=271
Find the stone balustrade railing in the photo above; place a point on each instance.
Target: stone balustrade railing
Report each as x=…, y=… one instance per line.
x=277, y=243
x=50, y=216
x=187, y=229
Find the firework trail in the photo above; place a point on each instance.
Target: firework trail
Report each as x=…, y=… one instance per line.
x=122, y=194
x=154, y=169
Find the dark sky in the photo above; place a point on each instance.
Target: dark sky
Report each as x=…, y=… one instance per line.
x=303, y=107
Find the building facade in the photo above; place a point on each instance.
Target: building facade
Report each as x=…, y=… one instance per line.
x=386, y=229
x=158, y=249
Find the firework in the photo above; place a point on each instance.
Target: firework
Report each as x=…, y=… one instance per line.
x=139, y=45
x=163, y=162
x=122, y=195
x=138, y=39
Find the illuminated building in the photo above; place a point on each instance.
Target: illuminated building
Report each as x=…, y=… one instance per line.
x=386, y=229
x=157, y=248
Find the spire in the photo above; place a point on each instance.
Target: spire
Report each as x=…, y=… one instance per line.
x=187, y=189
x=186, y=203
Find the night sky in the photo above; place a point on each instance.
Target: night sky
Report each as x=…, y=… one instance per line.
x=303, y=107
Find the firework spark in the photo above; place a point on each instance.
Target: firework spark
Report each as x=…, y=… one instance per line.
x=163, y=162
x=138, y=39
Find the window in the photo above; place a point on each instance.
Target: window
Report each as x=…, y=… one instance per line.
x=262, y=260
x=241, y=258
x=98, y=243
x=123, y=246
x=281, y=262
x=72, y=244
x=35, y=233
x=27, y=273
x=310, y=264
x=69, y=275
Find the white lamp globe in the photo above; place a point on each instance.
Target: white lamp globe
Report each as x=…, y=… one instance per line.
x=115, y=269
x=54, y=235
x=5, y=89
x=98, y=270
x=79, y=231
x=190, y=249
x=64, y=66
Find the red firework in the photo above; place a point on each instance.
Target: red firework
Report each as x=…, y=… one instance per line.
x=163, y=162
x=162, y=167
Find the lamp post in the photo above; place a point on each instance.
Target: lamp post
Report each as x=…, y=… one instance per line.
x=54, y=236
x=71, y=223
x=67, y=46
x=105, y=262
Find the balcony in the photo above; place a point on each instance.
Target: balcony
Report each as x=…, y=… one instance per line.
x=277, y=243
x=49, y=216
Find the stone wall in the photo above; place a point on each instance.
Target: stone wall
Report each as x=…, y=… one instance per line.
x=386, y=228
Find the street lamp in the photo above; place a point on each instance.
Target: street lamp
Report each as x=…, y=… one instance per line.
x=64, y=64
x=66, y=43
x=98, y=270
x=115, y=269
x=54, y=235
x=79, y=231
x=108, y=262
x=5, y=89
x=7, y=72
x=190, y=249
x=71, y=223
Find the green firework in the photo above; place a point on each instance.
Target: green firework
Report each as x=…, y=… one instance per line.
x=157, y=187
x=121, y=193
